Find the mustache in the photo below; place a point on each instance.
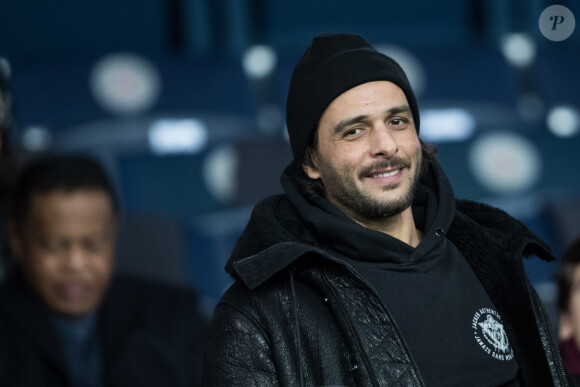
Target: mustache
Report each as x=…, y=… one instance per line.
x=393, y=163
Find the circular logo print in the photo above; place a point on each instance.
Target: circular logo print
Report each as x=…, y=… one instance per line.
x=490, y=335
x=557, y=23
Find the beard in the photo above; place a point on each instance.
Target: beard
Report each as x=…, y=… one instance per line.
x=341, y=189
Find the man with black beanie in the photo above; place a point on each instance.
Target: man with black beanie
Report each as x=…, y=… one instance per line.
x=368, y=271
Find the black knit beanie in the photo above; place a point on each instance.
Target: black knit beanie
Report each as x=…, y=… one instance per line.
x=333, y=64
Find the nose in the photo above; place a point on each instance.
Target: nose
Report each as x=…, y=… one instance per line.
x=383, y=144
x=76, y=258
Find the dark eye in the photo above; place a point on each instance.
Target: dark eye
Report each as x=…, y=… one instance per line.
x=96, y=245
x=51, y=245
x=398, y=121
x=352, y=132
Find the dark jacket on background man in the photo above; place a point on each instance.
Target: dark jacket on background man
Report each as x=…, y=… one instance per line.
x=299, y=315
x=150, y=335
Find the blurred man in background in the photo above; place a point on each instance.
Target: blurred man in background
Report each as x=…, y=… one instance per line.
x=568, y=280
x=66, y=319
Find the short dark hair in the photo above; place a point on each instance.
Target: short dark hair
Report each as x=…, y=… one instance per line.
x=313, y=187
x=565, y=275
x=63, y=172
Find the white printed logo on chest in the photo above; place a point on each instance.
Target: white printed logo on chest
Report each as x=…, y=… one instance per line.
x=490, y=335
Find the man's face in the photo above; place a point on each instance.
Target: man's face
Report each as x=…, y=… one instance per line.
x=65, y=245
x=369, y=154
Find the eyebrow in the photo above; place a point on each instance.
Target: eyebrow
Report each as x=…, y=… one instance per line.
x=362, y=118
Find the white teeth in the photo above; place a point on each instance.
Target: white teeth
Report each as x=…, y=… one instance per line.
x=387, y=174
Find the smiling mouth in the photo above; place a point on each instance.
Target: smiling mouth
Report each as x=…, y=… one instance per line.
x=385, y=168
x=386, y=174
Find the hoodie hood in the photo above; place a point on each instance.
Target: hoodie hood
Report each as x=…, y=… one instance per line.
x=433, y=210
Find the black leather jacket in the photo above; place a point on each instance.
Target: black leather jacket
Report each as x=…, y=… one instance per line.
x=296, y=316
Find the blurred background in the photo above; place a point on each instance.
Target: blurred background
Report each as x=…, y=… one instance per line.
x=184, y=101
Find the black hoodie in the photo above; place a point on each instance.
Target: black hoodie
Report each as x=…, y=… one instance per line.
x=431, y=292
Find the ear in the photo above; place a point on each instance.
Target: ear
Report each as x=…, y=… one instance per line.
x=311, y=172
x=311, y=168
x=565, y=329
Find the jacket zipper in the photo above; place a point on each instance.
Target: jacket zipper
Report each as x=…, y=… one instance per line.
x=557, y=357
x=545, y=321
x=297, y=331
